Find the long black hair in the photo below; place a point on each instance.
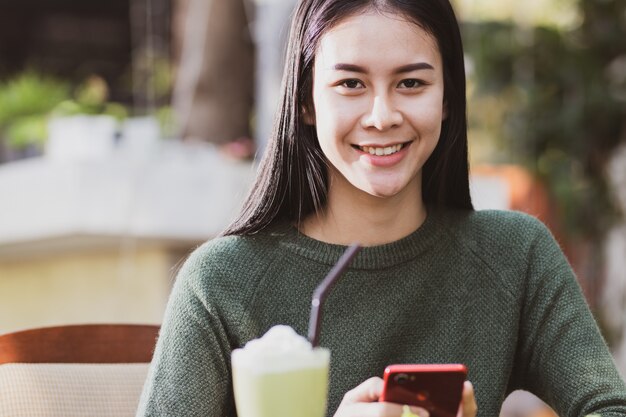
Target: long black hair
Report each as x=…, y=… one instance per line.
x=292, y=180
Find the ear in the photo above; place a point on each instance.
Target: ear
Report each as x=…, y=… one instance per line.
x=444, y=110
x=308, y=117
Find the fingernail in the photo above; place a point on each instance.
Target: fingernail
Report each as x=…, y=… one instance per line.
x=420, y=412
x=414, y=412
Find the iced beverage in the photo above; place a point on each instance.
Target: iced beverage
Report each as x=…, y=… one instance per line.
x=280, y=375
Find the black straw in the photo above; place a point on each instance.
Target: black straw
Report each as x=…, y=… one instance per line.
x=324, y=288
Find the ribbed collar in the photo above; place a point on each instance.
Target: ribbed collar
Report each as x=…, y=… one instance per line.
x=371, y=257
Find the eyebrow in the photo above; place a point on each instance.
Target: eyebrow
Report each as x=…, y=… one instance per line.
x=400, y=70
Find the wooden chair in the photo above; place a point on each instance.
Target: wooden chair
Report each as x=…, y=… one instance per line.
x=78, y=370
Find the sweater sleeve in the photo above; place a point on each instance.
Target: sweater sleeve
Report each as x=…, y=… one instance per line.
x=562, y=357
x=190, y=372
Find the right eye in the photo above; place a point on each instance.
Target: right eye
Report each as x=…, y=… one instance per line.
x=352, y=84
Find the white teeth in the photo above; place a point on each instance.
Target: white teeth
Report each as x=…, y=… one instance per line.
x=388, y=150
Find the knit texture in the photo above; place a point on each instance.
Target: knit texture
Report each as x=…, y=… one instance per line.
x=488, y=289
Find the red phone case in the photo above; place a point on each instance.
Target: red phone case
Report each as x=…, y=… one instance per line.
x=437, y=388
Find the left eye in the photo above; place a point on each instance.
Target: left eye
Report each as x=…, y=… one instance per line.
x=410, y=83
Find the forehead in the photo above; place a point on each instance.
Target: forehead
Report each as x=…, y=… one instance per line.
x=377, y=38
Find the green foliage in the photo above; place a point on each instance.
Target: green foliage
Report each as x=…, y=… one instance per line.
x=91, y=98
x=165, y=118
x=24, y=104
x=564, y=95
x=27, y=101
x=30, y=94
x=27, y=130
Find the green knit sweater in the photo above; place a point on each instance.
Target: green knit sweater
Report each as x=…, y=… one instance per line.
x=488, y=289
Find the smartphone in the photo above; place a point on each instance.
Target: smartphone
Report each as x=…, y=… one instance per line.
x=437, y=388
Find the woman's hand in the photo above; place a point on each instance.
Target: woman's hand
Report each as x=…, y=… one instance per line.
x=362, y=401
x=468, y=407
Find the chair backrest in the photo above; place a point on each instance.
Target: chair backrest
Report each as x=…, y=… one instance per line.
x=91, y=343
x=85, y=370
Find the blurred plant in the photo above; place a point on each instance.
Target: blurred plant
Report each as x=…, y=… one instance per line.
x=151, y=83
x=162, y=79
x=91, y=98
x=560, y=105
x=165, y=117
x=28, y=100
x=25, y=102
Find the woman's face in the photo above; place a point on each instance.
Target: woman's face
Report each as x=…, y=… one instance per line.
x=378, y=103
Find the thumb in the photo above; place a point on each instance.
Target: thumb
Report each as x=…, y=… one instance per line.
x=368, y=391
x=468, y=407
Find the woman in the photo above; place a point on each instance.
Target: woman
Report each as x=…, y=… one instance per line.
x=371, y=146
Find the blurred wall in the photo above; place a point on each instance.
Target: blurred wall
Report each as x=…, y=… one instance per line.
x=99, y=238
x=115, y=285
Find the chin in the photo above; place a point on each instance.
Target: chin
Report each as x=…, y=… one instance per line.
x=383, y=192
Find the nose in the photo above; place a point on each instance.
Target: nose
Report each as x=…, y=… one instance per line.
x=383, y=114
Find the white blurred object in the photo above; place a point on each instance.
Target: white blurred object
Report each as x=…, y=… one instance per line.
x=177, y=192
x=271, y=30
x=81, y=137
x=140, y=134
x=614, y=294
x=489, y=192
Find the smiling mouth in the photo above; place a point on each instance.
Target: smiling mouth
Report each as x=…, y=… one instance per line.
x=382, y=150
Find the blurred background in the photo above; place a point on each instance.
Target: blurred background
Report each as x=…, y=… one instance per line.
x=129, y=131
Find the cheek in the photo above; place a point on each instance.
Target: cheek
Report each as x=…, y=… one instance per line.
x=334, y=116
x=428, y=115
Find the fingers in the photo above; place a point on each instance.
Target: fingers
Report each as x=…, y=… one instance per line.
x=376, y=409
x=366, y=392
x=362, y=401
x=468, y=406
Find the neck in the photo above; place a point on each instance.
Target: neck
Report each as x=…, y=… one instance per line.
x=360, y=217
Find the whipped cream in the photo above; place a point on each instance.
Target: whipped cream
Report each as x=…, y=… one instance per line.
x=280, y=349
